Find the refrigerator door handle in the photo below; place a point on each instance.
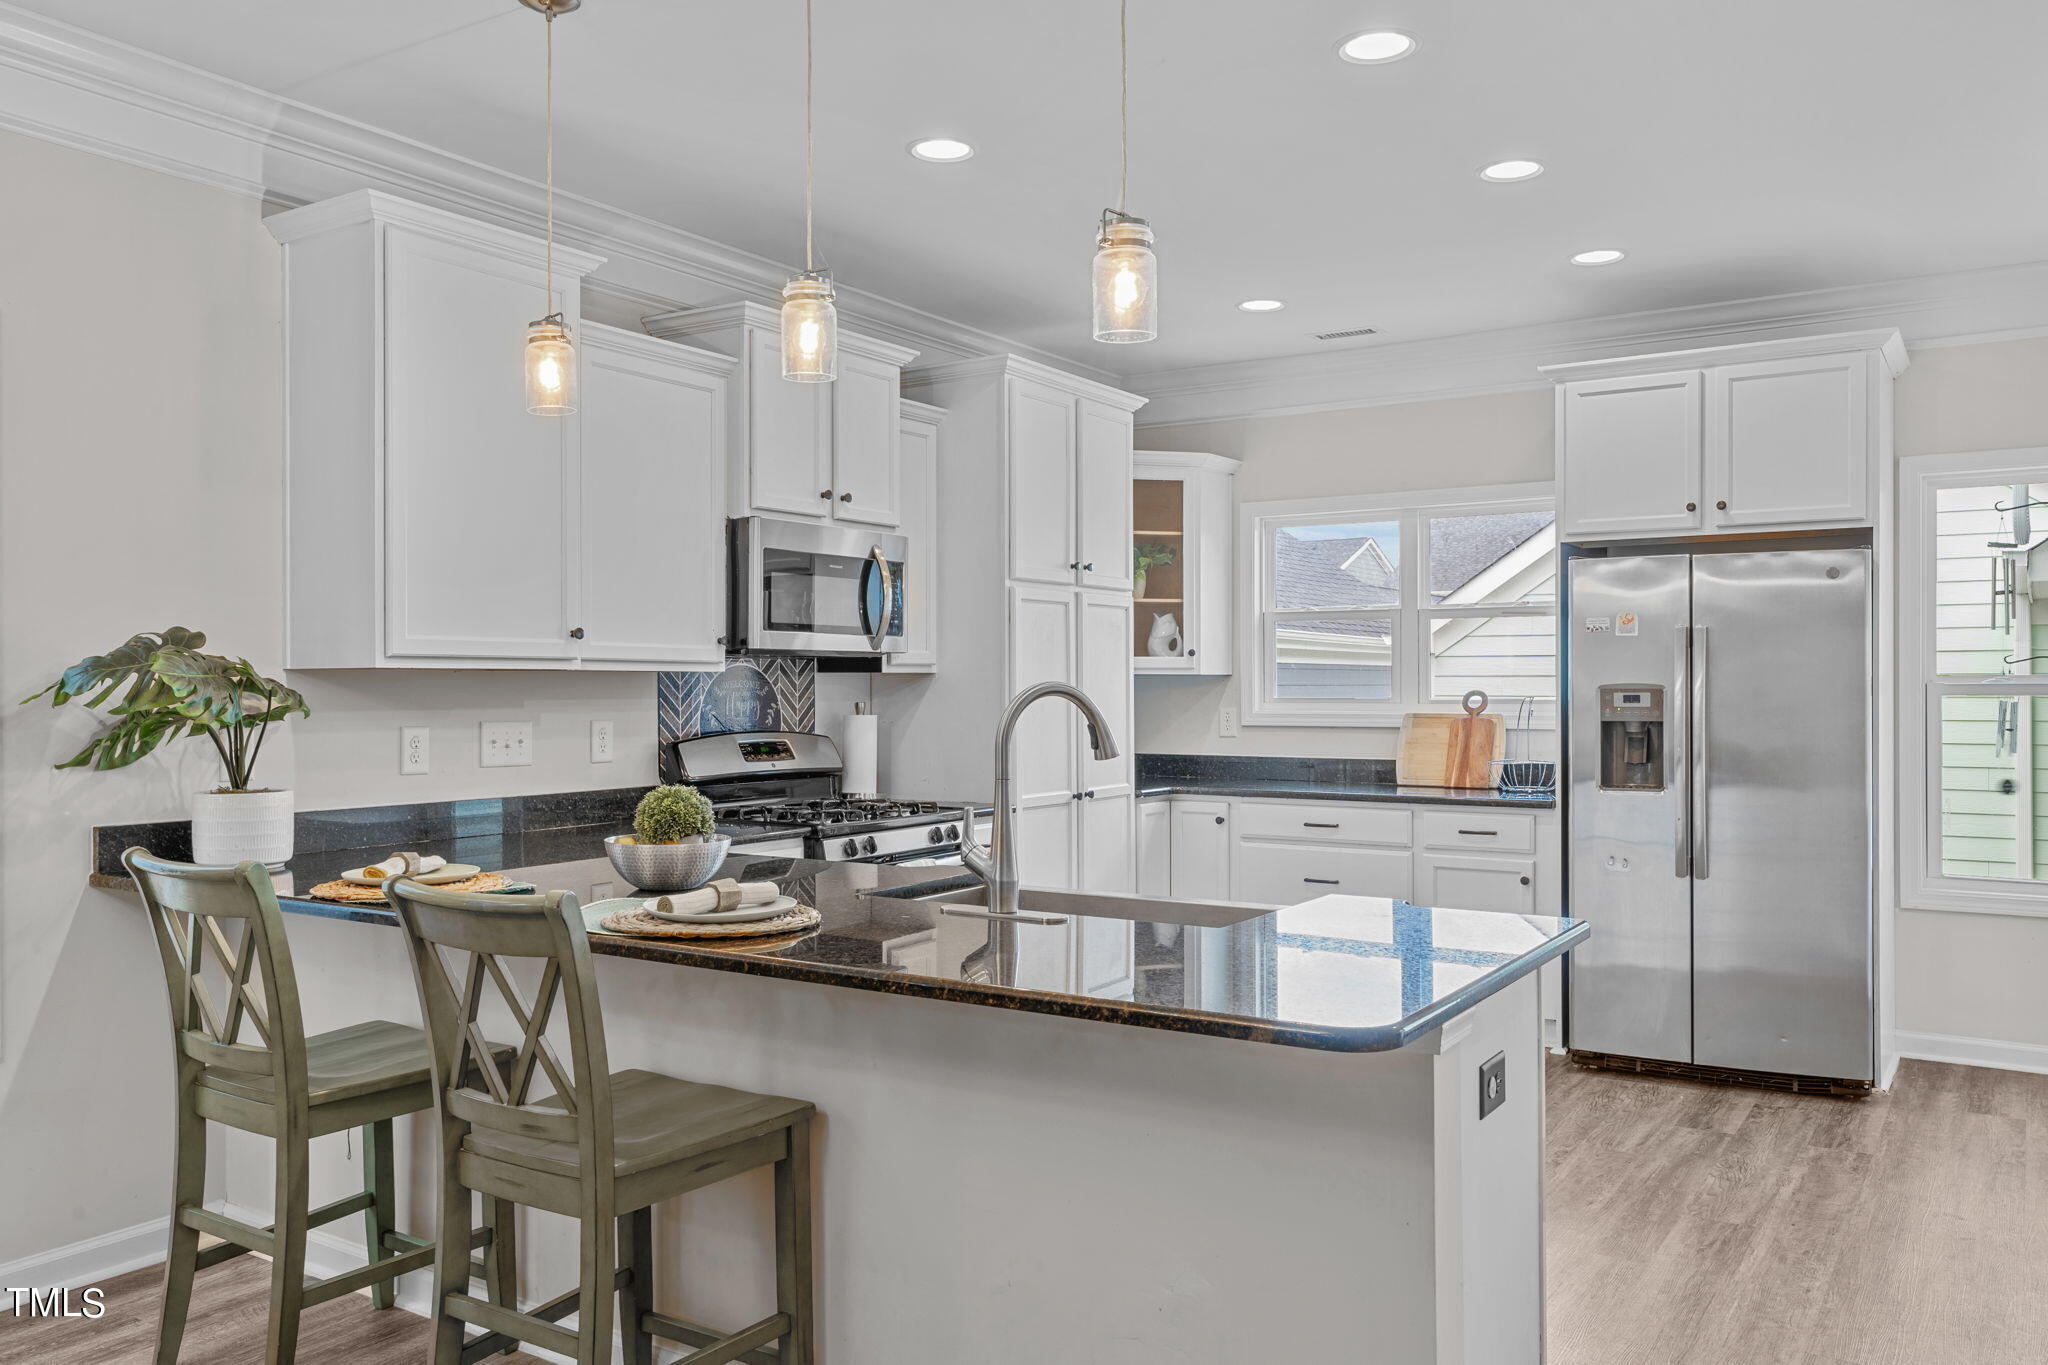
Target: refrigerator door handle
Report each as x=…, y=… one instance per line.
x=1700, y=767
x=1676, y=748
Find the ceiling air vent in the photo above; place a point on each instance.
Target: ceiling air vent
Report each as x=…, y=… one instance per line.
x=1347, y=334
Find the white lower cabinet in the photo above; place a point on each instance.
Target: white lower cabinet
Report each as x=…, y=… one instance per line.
x=1476, y=883
x=1285, y=874
x=1155, y=847
x=1201, y=849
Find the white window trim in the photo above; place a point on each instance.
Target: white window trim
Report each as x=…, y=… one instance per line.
x=1921, y=883
x=1256, y=704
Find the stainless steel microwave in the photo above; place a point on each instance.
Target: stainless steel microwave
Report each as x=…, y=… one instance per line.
x=802, y=587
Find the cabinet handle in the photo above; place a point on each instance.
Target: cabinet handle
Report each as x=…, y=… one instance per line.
x=1320, y=824
x=826, y=495
x=1090, y=793
x=1721, y=506
x=1322, y=881
x=1219, y=819
x=1692, y=507
x=1191, y=654
x=1525, y=881
x=1075, y=565
x=1077, y=796
x=576, y=634
x=1489, y=833
x=1089, y=567
x=846, y=497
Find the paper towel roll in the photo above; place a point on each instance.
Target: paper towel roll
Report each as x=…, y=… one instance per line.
x=858, y=752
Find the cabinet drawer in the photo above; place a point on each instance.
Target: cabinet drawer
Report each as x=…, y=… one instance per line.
x=1285, y=874
x=1483, y=830
x=1324, y=821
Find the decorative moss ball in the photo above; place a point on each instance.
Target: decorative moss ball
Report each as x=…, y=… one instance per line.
x=668, y=815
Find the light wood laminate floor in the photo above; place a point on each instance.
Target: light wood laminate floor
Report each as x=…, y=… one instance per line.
x=229, y=1307
x=1711, y=1225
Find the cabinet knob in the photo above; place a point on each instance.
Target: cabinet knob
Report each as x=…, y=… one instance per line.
x=1525, y=881
x=1089, y=566
x=826, y=495
x=1219, y=819
x=1723, y=506
x=1191, y=654
x=1075, y=565
x=1692, y=507
x=1075, y=795
x=576, y=634
x=846, y=497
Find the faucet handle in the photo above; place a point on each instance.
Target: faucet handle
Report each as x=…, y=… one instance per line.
x=974, y=854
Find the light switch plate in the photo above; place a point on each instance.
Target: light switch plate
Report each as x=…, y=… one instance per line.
x=412, y=750
x=600, y=741
x=507, y=743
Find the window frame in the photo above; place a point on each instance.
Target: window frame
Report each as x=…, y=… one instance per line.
x=1410, y=670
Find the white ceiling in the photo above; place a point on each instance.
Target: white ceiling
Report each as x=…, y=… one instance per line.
x=1735, y=149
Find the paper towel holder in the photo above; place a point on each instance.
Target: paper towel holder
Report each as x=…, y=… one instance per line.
x=858, y=775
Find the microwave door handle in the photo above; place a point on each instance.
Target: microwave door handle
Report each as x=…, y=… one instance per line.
x=887, y=615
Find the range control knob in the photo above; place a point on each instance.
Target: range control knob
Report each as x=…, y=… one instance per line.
x=953, y=833
x=851, y=848
x=937, y=835
x=868, y=844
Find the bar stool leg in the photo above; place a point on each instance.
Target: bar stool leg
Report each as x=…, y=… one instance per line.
x=636, y=1254
x=501, y=1262
x=181, y=1262
x=288, y=1257
x=599, y=1270
x=451, y=1250
x=793, y=1257
x=382, y=1215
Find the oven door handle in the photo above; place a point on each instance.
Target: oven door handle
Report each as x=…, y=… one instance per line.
x=888, y=611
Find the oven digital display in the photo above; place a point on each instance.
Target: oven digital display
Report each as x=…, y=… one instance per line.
x=767, y=751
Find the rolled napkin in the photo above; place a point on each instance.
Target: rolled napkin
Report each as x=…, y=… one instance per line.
x=404, y=865
x=721, y=895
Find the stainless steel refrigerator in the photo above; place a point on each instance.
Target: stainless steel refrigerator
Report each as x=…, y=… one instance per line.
x=1719, y=810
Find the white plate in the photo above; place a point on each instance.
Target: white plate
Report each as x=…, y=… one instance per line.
x=440, y=876
x=781, y=905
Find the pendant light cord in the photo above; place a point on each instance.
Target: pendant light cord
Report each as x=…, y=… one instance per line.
x=810, y=262
x=1123, y=33
x=551, y=160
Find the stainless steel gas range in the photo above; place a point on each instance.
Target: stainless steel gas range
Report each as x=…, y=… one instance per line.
x=789, y=781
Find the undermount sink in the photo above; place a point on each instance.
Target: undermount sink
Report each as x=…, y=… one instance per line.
x=1034, y=900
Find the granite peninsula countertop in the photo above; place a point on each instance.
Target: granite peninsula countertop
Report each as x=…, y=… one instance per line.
x=1341, y=973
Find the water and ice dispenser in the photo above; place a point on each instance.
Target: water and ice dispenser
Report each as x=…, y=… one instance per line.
x=1632, y=738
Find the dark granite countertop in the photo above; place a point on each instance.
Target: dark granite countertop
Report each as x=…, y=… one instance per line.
x=1342, y=973
x=1339, y=791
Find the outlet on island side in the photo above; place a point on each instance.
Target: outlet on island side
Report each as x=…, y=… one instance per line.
x=600, y=741
x=412, y=750
x=507, y=743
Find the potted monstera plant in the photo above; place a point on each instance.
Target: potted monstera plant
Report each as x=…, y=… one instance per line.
x=167, y=689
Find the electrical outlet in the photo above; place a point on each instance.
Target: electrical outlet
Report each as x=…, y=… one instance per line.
x=507, y=743
x=1226, y=722
x=600, y=741
x=412, y=750
x=1493, y=1083
x=600, y=891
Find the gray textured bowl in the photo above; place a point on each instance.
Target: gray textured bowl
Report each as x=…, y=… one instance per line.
x=667, y=867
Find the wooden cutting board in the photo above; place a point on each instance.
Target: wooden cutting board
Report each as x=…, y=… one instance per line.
x=1451, y=751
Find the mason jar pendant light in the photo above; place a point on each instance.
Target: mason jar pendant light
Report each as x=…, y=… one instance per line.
x=1126, y=271
x=810, y=323
x=550, y=352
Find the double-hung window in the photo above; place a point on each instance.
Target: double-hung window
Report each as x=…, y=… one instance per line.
x=1360, y=609
x=1973, y=693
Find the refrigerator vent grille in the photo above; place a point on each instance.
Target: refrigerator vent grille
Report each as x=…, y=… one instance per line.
x=1687, y=1071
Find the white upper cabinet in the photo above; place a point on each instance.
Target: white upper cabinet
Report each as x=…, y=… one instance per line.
x=1040, y=470
x=1185, y=504
x=653, y=494
x=1770, y=436
x=1102, y=486
x=918, y=442
x=823, y=451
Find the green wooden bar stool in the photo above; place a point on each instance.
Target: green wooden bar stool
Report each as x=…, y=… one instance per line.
x=603, y=1149
x=219, y=929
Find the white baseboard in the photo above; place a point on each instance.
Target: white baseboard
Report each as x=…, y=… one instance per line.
x=1990, y=1052
x=92, y=1261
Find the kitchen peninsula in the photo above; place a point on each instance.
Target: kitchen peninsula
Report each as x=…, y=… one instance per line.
x=1284, y=1103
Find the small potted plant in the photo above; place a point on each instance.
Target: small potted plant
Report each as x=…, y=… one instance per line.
x=1145, y=557
x=674, y=845
x=173, y=692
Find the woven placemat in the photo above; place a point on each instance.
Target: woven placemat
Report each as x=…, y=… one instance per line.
x=350, y=894
x=627, y=916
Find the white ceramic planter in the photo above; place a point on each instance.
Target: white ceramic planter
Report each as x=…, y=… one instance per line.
x=229, y=827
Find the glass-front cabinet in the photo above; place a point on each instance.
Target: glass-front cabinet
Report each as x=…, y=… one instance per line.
x=1182, y=513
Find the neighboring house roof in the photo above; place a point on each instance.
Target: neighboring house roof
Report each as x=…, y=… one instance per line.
x=1460, y=548
x=1340, y=571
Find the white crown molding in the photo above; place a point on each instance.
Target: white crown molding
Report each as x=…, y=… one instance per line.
x=76, y=88
x=926, y=377
x=1884, y=341
x=2004, y=303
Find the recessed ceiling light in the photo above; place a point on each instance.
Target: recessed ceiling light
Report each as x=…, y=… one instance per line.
x=1379, y=45
x=1605, y=255
x=1511, y=170
x=940, y=149
x=1261, y=305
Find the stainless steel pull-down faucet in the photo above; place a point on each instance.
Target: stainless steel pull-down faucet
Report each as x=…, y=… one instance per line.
x=996, y=862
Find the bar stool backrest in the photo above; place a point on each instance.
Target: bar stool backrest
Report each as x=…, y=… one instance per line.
x=227, y=968
x=477, y=931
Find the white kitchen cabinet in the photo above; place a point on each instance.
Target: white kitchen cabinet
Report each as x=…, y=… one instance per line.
x=430, y=522
x=1201, y=849
x=1106, y=819
x=1041, y=474
x=819, y=451
x=1474, y=883
x=918, y=443
x=1102, y=489
x=1155, y=847
x=1480, y=829
x=1343, y=822
x=653, y=484
x=1768, y=436
x=1186, y=503
x=1286, y=874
